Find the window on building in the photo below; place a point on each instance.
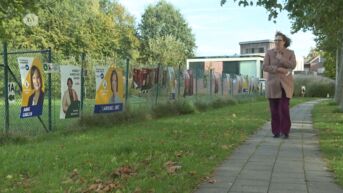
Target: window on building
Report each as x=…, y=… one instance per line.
x=197, y=67
x=261, y=50
x=247, y=50
x=252, y=50
x=231, y=67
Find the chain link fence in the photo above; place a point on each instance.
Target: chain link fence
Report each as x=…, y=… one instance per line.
x=145, y=87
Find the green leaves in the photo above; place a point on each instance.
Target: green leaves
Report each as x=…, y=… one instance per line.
x=98, y=27
x=167, y=50
x=160, y=26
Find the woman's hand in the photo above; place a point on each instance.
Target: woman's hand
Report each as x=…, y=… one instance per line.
x=282, y=70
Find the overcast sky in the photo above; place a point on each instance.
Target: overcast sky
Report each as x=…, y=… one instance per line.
x=218, y=30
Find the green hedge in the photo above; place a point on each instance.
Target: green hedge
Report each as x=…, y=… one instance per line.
x=316, y=86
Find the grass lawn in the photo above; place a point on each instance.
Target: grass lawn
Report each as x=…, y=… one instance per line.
x=171, y=154
x=329, y=122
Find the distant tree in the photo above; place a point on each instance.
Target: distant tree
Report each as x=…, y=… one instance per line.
x=314, y=52
x=167, y=50
x=102, y=29
x=160, y=21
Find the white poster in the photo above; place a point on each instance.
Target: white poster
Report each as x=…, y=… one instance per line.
x=70, y=91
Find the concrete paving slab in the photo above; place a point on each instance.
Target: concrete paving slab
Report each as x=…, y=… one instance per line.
x=264, y=164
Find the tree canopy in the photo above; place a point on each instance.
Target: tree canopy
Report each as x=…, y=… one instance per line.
x=160, y=22
x=100, y=28
x=11, y=14
x=323, y=17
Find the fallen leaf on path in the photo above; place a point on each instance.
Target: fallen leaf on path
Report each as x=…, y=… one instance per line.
x=210, y=180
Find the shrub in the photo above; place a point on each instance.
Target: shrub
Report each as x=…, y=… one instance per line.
x=12, y=139
x=316, y=86
x=178, y=107
x=201, y=105
x=109, y=119
x=184, y=107
x=222, y=101
x=164, y=110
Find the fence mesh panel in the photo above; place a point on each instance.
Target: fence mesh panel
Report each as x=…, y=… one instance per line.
x=147, y=87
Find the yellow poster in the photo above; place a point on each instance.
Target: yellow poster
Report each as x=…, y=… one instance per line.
x=109, y=89
x=32, y=79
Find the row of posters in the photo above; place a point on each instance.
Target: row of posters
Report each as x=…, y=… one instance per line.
x=109, y=89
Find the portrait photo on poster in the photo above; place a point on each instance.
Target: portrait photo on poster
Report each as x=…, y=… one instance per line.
x=70, y=91
x=109, y=89
x=32, y=78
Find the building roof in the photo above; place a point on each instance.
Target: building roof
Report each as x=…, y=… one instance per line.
x=256, y=42
x=316, y=59
x=233, y=56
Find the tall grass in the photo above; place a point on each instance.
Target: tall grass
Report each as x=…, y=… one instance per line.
x=328, y=120
x=316, y=86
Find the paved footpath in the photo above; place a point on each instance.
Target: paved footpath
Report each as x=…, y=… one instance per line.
x=264, y=164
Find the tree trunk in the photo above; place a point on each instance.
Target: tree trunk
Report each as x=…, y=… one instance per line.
x=340, y=79
x=337, y=77
x=338, y=87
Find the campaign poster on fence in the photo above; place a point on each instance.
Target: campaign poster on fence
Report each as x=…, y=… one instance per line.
x=109, y=95
x=32, y=79
x=70, y=91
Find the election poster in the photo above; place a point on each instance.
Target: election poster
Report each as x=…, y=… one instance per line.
x=32, y=79
x=109, y=95
x=70, y=91
x=11, y=92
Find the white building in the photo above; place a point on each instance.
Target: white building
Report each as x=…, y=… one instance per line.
x=248, y=63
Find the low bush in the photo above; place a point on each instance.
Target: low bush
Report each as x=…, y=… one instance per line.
x=12, y=139
x=184, y=107
x=164, y=110
x=223, y=101
x=201, y=105
x=110, y=119
x=170, y=108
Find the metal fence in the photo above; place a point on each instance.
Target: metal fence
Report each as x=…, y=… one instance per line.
x=144, y=88
x=11, y=106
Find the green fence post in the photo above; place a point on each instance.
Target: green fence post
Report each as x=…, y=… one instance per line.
x=83, y=56
x=179, y=82
x=50, y=94
x=222, y=82
x=127, y=80
x=7, y=118
x=210, y=76
x=158, y=81
x=196, y=80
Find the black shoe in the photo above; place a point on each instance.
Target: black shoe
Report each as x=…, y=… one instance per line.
x=285, y=136
x=276, y=135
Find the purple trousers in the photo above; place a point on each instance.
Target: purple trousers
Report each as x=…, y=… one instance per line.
x=279, y=109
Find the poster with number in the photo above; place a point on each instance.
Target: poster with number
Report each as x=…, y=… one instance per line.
x=109, y=95
x=32, y=79
x=70, y=91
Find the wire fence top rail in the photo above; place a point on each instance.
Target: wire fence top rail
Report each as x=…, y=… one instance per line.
x=29, y=52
